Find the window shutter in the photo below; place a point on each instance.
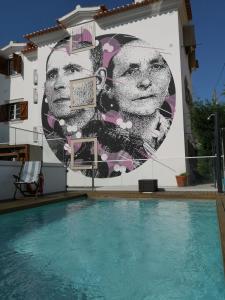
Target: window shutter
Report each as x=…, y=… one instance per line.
x=189, y=35
x=4, y=66
x=17, y=63
x=24, y=110
x=4, y=113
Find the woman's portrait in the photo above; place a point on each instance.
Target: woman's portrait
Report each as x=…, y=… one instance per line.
x=135, y=101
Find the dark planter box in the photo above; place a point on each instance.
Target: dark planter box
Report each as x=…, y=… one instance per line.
x=148, y=185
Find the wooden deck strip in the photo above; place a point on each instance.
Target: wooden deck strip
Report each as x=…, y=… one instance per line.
x=221, y=218
x=24, y=203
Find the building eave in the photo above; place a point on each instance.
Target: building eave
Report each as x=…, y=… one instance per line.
x=97, y=13
x=55, y=28
x=29, y=48
x=11, y=48
x=13, y=45
x=65, y=21
x=127, y=7
x=78, y=14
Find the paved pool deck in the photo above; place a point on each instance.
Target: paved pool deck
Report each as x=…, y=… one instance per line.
x=194, y=188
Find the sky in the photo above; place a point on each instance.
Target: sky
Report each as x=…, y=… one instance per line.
x=25, y=16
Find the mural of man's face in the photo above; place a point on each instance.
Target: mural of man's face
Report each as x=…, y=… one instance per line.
x=141, y=78
x=62, y=68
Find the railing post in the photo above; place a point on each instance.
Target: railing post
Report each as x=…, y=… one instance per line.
x=66, y=179
x=218, y=152
x=92, y=177
x=15, y=136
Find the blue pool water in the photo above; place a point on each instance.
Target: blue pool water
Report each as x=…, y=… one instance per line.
x=128, y=250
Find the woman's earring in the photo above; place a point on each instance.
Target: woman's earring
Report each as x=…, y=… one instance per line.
x=106, y=101
x=107, y=88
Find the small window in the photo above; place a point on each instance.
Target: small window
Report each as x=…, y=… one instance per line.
x=83, y=93
x=11, y=66
x=3, y=66
x=35, y=77
x=35, y=95
x=82, y=37
x=84, y=154
x=188, y=96
x=35, y=134
x=14, y=111
x=17, y=64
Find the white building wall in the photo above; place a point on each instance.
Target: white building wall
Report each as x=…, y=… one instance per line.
x=162, y=31
x=5, y=84
x=186, y=84
x=13, y=89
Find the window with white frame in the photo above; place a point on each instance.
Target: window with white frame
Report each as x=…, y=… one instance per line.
x=84, y=154
x=83, y=93
x=14, y=111
x=82, y=37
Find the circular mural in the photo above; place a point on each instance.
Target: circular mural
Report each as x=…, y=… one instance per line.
x=135, y=103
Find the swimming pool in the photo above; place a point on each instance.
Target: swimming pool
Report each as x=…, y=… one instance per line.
x=112, y=250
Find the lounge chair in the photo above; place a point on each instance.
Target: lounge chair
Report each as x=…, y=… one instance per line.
x=28, y=180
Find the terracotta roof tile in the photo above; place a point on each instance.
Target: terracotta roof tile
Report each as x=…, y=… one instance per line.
x=57, y=27
x=43, y=31
x=106, y=13
x=29, y=48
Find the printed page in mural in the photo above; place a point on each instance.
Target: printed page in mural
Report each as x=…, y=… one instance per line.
x=83, y=93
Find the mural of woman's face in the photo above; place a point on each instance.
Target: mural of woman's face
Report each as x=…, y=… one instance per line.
x=61, y=68
x=141, y=78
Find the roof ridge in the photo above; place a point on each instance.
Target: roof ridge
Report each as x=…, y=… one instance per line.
x=44, y=30
x=104, y=12
x=133, y=5
x=29, y=48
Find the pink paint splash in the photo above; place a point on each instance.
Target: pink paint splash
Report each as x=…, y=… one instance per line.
x=110, y=48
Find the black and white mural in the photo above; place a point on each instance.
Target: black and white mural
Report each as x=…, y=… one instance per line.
x=134, y=107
